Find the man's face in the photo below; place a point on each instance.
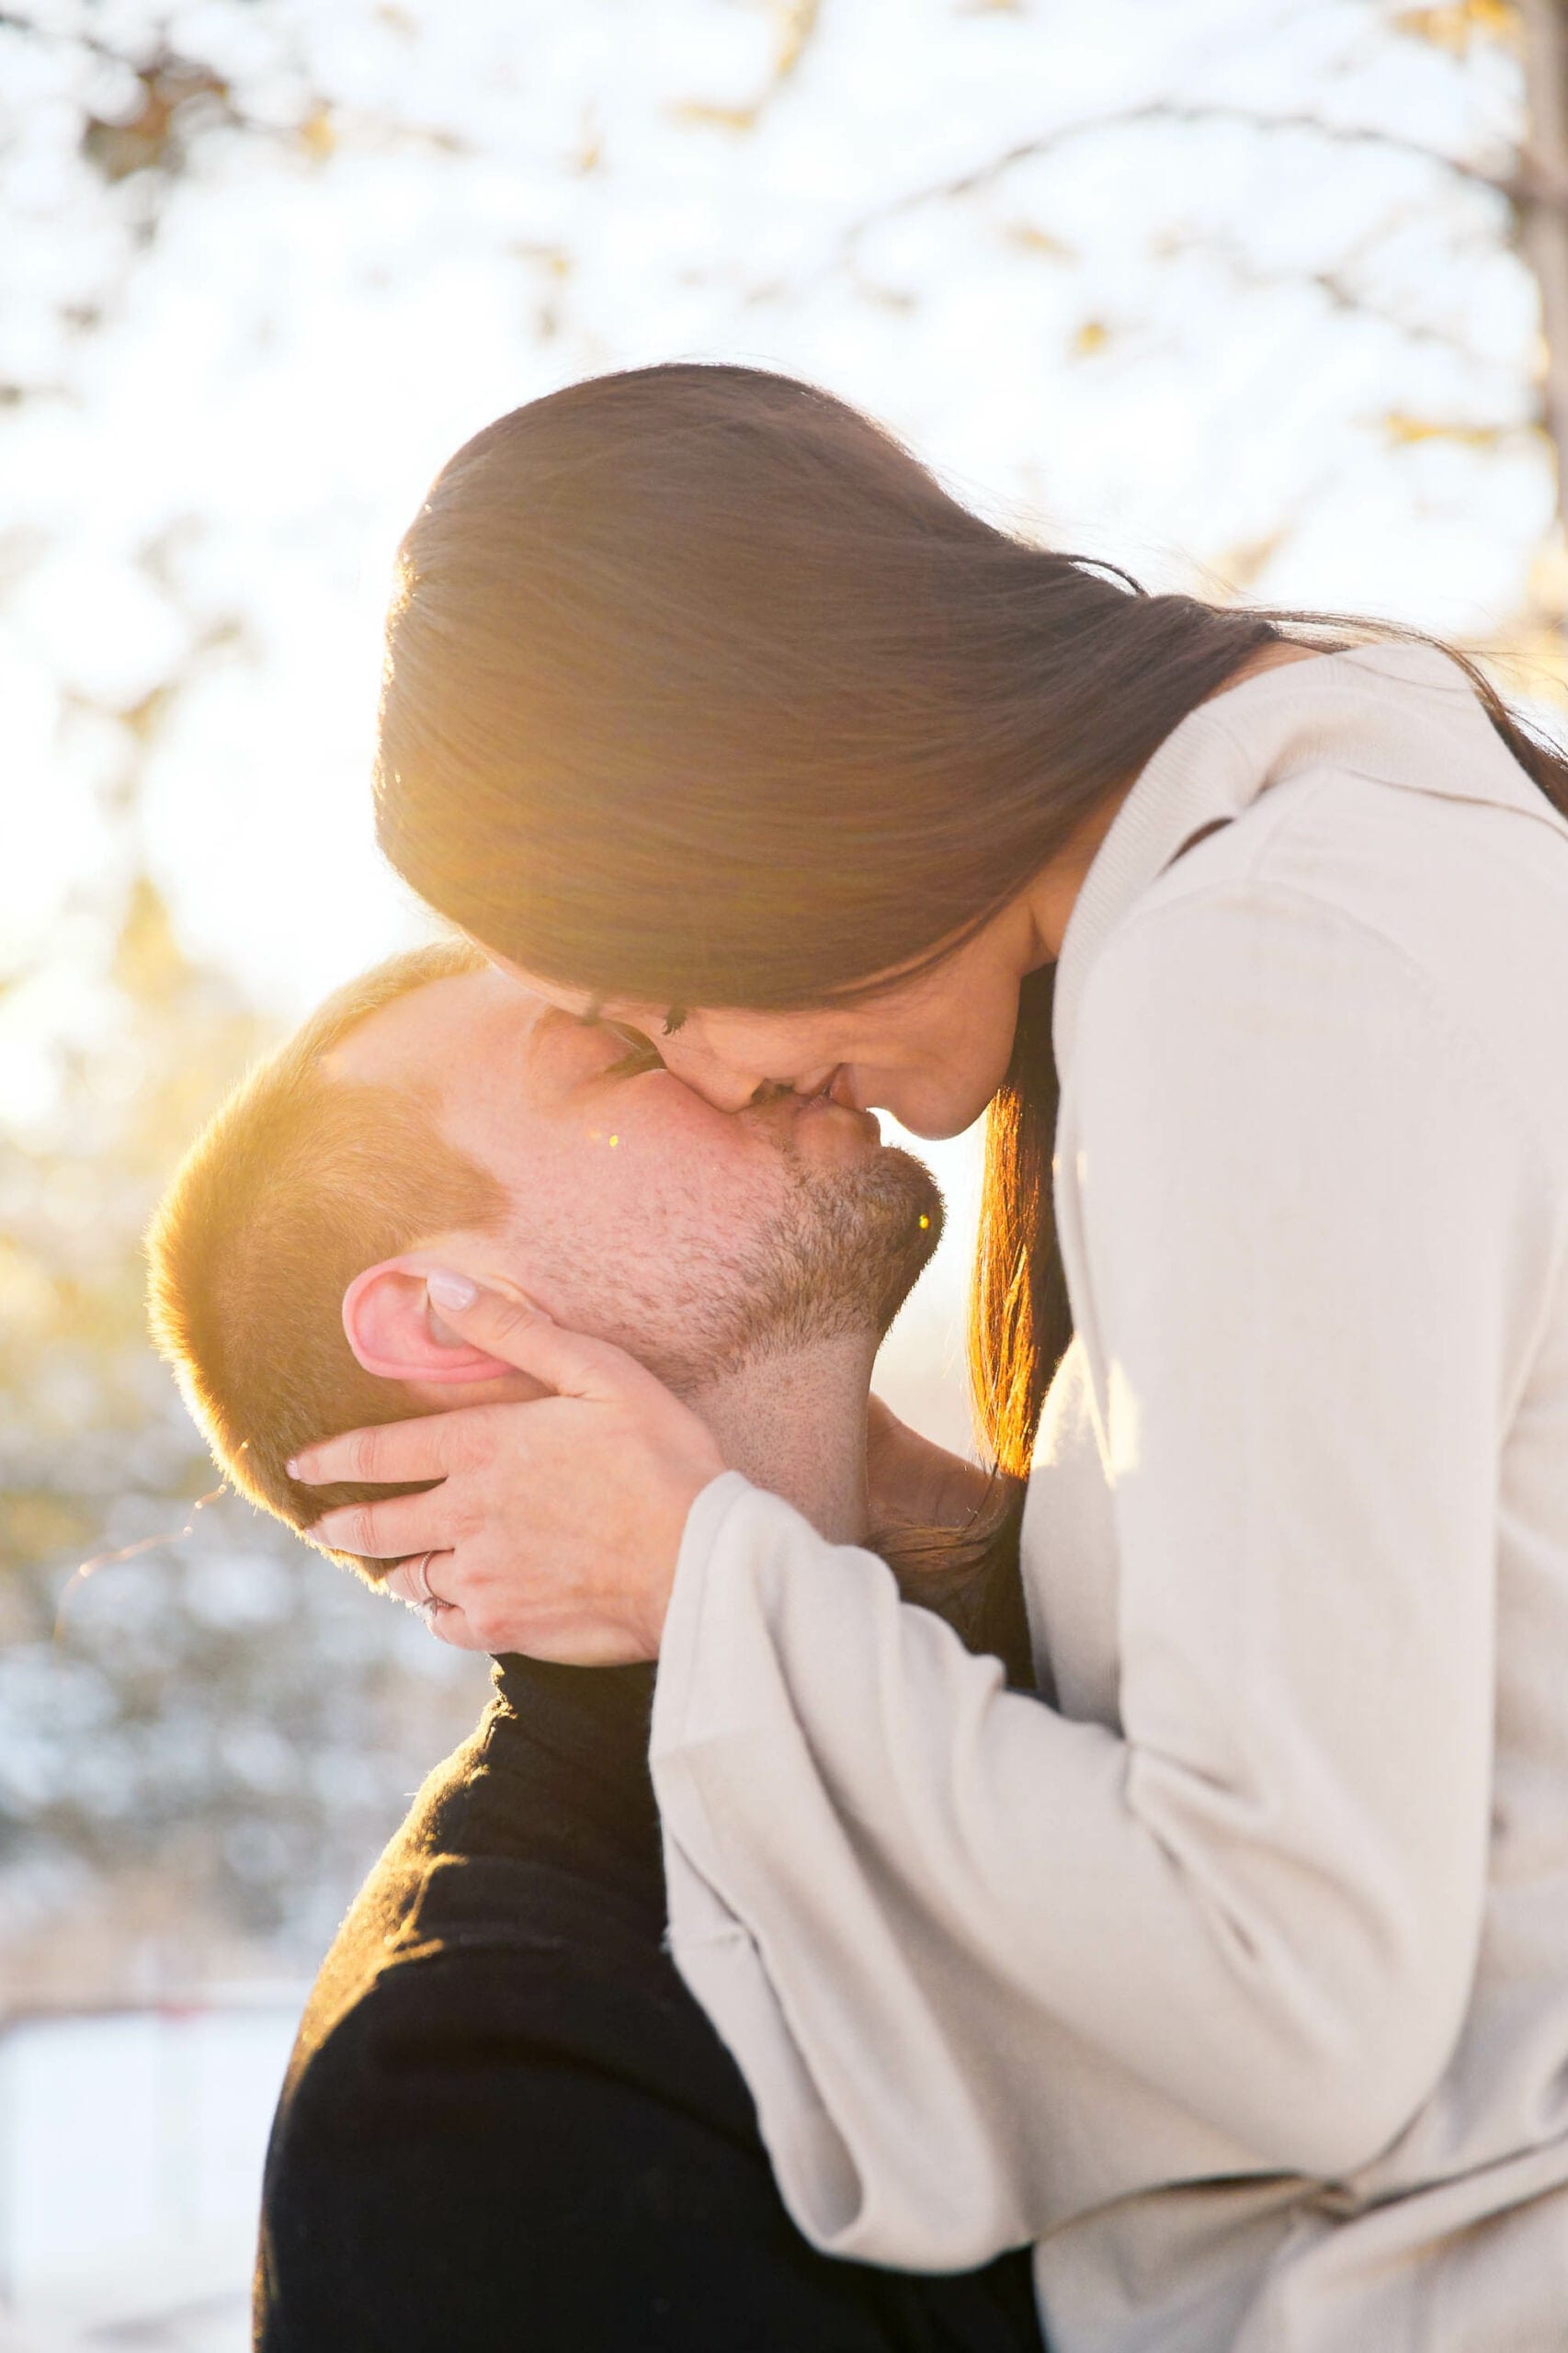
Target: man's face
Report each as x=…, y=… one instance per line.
x=691, y=1237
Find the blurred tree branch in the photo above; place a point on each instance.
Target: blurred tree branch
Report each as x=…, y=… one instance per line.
x=1168, y=111
x=1530, y=183
x=796, y=22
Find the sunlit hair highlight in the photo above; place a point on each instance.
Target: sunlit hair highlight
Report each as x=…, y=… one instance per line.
x=299, y=1181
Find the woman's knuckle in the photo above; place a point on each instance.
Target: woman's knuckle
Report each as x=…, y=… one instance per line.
x=465, y=1525
x=476, y=1445
x=362, y=1454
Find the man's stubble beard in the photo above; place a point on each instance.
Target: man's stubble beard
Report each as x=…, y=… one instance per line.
x=845, y=1255
x=837, y=1261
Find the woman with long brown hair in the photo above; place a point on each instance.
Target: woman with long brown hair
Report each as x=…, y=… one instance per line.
x=1231, y=1964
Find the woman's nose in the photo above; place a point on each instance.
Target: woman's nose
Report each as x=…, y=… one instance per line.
x=725, y=1088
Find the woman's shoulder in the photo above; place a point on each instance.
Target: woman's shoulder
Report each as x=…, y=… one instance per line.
x=1375, y=763
x=1337, y=878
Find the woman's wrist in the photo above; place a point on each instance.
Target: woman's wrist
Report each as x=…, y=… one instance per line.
x=687, y=1482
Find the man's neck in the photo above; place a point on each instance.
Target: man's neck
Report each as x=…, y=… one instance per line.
x=795, y=1422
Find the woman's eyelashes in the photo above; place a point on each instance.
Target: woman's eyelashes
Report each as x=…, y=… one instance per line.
x=641, y=1054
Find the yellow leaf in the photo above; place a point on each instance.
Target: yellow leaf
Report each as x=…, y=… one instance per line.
x=1456, y=23
x=1406, y=431
x=1031, y=238
x=317, y=135
x=549, y=258
x=709, y=116
x=1239, y=566
x=145, y=718
x=797, y=23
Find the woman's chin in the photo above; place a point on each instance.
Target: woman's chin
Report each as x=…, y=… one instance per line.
x=935, y=1120
x=945, y=1100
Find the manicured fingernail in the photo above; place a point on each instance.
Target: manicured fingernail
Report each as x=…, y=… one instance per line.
x=450, y=1290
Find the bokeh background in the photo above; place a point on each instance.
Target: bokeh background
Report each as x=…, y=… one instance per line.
x=1255, y=299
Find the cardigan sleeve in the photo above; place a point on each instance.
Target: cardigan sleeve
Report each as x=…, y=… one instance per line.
x=984, y=1966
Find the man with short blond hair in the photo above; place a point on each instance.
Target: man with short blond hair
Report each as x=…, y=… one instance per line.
x=506, y=2122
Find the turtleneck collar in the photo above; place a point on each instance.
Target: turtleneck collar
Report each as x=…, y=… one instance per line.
x=593, y=1720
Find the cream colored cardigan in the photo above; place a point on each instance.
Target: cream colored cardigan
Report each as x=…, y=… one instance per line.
x=1235, y=1971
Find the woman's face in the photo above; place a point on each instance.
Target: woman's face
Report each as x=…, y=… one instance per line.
x=932, y=1050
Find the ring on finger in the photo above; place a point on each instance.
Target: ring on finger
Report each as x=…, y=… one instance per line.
x=425, y=1601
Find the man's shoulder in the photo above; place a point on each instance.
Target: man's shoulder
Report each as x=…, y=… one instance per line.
x=374, y=1933
x=480, y=1931
x=474, y=1867
x=510, y=1966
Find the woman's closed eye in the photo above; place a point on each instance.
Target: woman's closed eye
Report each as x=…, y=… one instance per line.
x=641, y=1054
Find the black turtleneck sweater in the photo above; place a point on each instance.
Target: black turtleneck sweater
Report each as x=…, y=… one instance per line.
x=507, y=2124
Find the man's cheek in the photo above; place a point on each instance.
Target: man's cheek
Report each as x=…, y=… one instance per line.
x=695, y=1202
x=674, y=1130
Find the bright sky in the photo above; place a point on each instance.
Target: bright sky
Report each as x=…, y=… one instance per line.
x=1118, y=344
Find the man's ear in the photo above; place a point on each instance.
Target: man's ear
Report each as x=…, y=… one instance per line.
x=395, y=1333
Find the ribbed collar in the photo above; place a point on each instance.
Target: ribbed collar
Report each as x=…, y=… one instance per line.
x=592, y=1719
x=1406, y=714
